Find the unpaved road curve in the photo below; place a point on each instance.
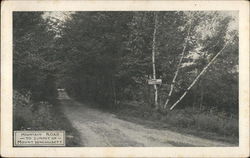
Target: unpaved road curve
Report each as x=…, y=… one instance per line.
x=100, y=129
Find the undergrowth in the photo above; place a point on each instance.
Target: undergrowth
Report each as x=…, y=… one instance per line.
x=29, y=115
x=210, y=124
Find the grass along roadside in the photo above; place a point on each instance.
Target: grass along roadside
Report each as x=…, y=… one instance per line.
x=205, y=124
x=209, y=124
x=30, y=115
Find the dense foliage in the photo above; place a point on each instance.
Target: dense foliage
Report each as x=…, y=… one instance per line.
x=34, y=60
x=106, y=57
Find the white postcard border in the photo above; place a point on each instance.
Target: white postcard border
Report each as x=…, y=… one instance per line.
x=6, y=79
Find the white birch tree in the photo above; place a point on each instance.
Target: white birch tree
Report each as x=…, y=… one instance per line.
x=179, y=64
x=198, y=77
x=153, y=58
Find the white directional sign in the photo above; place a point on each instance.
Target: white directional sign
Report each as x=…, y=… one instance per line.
x=154, y=81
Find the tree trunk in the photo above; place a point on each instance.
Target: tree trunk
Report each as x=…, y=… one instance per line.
x=201, y=97
x=153, y=59
x=197, y=78
x=114, y=91
x=178, y=67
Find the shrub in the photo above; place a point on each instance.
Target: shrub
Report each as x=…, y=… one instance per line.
x=30, y=115
x=22, y=111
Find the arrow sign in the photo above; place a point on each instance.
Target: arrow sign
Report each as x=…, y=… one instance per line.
x=154, y=81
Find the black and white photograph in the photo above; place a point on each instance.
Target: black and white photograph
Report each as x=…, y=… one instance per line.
x=128, y=78
x=145, y=78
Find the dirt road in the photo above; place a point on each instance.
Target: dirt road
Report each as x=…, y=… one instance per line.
x=100, y=129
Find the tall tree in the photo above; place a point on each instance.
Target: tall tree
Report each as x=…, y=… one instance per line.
x=189, y=25
x=33, y=55
x=153, y=58
x=198, y=77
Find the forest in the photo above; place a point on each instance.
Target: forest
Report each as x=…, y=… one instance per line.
x=108, y=59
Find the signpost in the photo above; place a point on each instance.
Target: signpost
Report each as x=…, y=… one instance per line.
x=154, y=81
